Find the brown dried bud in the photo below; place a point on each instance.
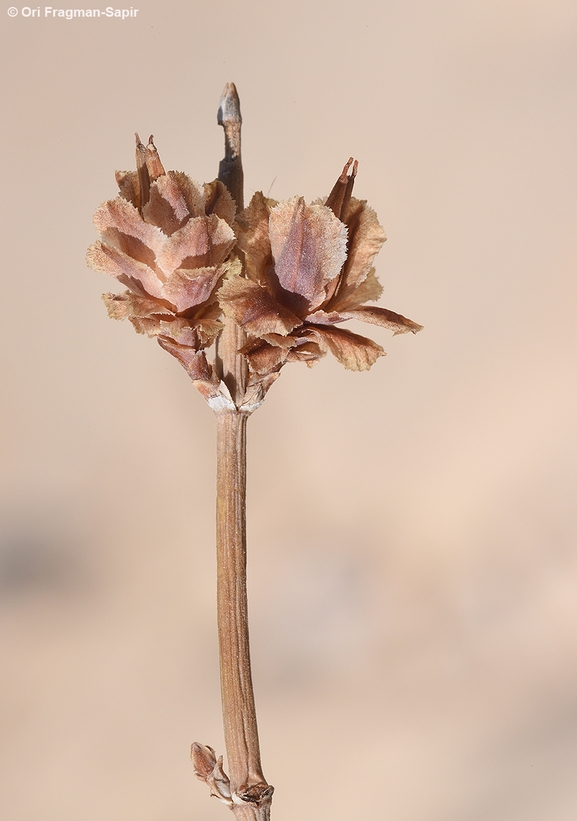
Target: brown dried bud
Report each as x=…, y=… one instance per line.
x=208, y=769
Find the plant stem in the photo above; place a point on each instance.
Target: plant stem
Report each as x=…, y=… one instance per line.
x=247, y=781
x=251, y=795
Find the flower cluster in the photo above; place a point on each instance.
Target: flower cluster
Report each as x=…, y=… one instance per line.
x=287, y=273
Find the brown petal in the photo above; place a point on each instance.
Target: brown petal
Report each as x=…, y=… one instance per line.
x=166, y=206
x=308, y=244
x=387, y=319
x=127, y=182
x=219, y=201
x=264, y=358
x=253, y=237
x=207, y=330
x=200, y=243
x=179, y=330
x=186, y=288
x=366, y=238
x=192, y=192
x=308, y=352
x=136, y=275
x=325, y=318
x=350, y=297
x=120, y=224
x=254, y=308
x=121, y=306
x=149, y=325
x=356, y=353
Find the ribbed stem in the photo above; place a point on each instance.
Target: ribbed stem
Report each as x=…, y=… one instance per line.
x=247, y=782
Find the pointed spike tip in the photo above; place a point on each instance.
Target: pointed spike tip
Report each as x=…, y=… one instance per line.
x=229, y=105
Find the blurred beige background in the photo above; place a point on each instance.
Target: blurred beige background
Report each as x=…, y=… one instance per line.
x=413, y=561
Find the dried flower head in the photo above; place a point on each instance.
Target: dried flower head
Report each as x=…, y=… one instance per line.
x=307, y=269
x=287, y=273
x=169, y=240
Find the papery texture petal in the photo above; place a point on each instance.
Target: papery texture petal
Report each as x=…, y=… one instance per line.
x=127, y=182
x=120, y=225
x=154, y=164
x=308, y=244
x=207, y=330
x=180, y=330
x=136, y=275
x=192, y=192
x=219, y=201
x=397, y=323
x=307, y=351
x=253, y=237
x=254, y=308
x=264, y=358
x=166, y=206
x=369, y=290
x=149, y=325
x=201, y=243
x=121, y=306
x=366, y=238
x=325, y=318
x=356, y=353
x=186, y=288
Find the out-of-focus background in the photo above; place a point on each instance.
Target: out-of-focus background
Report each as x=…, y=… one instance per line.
x=412, y=530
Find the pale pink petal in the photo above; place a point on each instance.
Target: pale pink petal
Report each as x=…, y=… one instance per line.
x=192, y=192
x=202, y=242
x=134, y=274
x=254, y=308
x=186, y=288
x=166, y=206
x=308, y=244
x=366, y=238
x=349, y=297
x=127, y=182
x=219, y=201
x=120, y=224
x=121, y=306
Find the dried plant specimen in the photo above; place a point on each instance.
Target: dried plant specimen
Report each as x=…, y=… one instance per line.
x=265, y=285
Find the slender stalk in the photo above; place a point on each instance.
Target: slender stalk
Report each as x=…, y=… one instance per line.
x=251, y=795
x=247, y=781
